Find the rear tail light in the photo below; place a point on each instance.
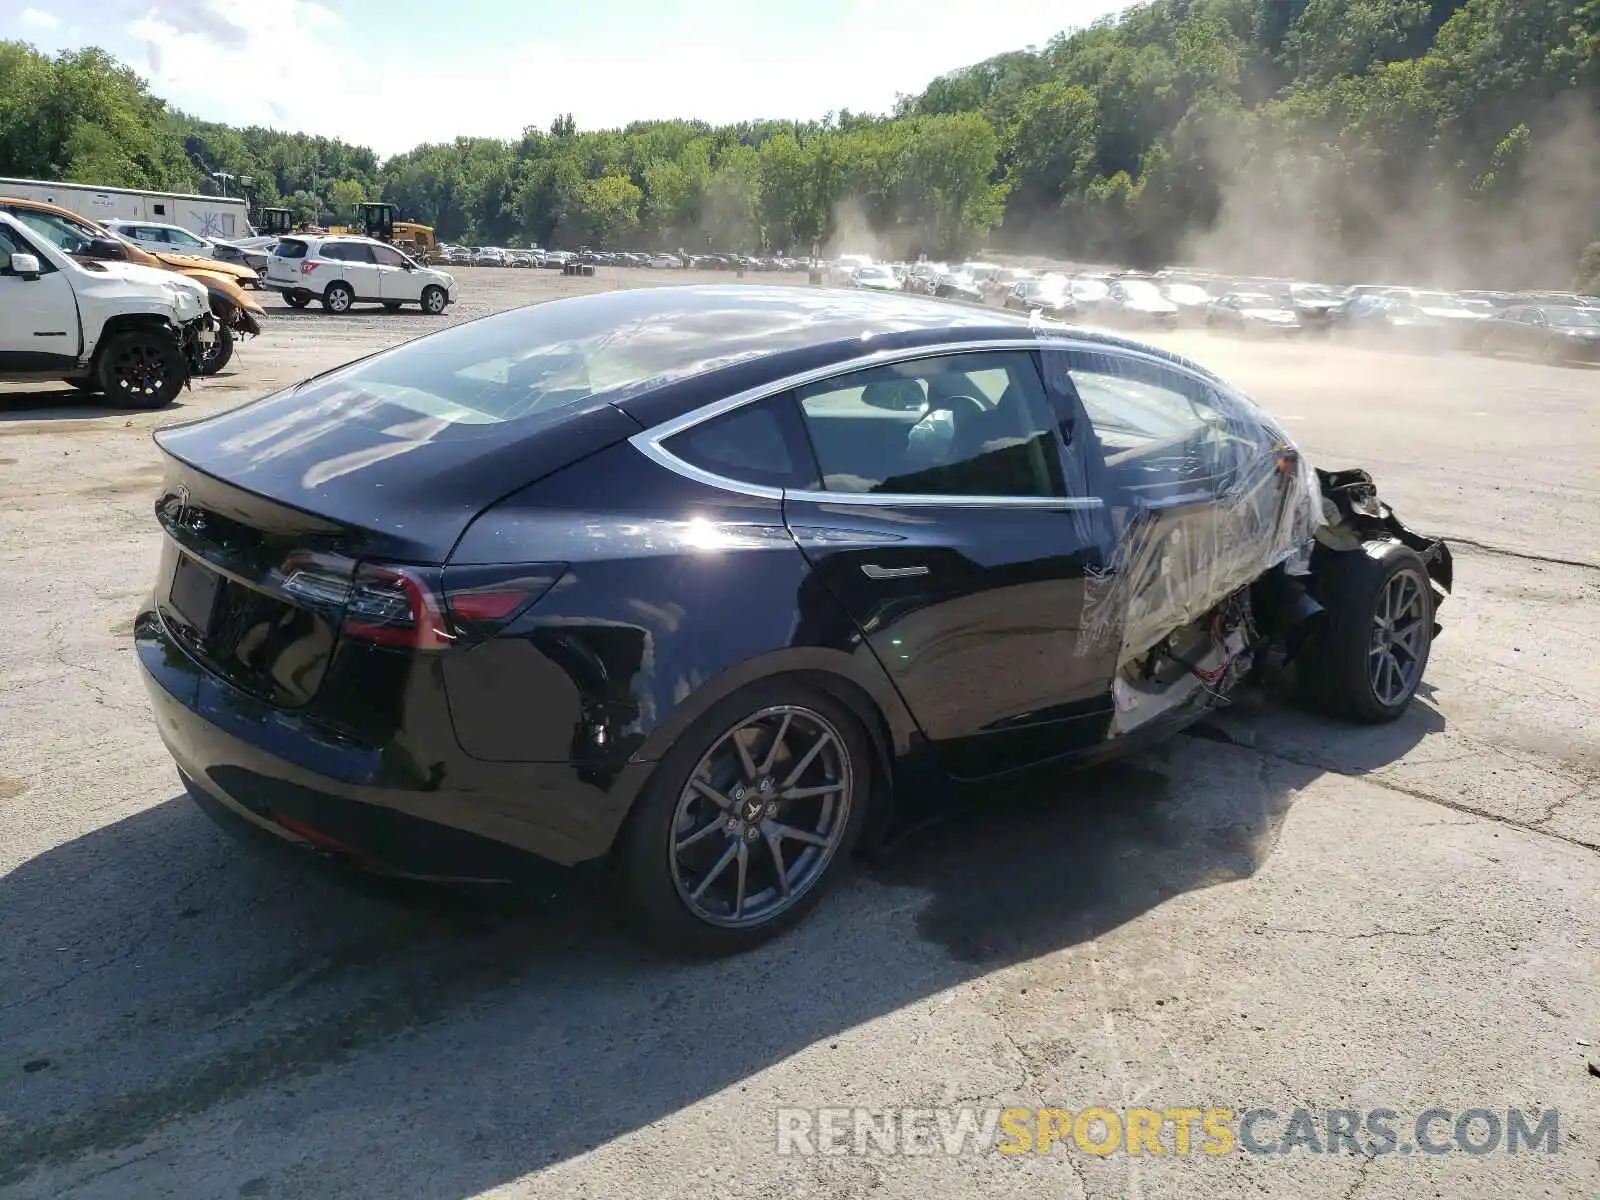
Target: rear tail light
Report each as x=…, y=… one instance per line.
x=422, y=608
x=308, y=266
x=396, y=606
x=483, y=600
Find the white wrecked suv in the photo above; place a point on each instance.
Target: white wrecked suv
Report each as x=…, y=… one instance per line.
x=132, y=332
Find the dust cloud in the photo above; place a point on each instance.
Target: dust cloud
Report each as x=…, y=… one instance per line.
x=852, y=233
x=1286, y=213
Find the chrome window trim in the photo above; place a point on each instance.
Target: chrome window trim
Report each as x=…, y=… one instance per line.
x=922, y=500
x=649, y=442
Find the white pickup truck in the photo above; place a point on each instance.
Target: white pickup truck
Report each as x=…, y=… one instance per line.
x=134, y=333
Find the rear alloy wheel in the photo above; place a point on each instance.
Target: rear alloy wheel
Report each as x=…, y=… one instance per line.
x=1367, y=658
x=297, y=299
x=434, y=300
x=338, y=298
x=141, y=368
x=220, y=353
x=746, y=820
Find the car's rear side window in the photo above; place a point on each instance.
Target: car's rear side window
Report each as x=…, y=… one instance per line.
x=760, y=443
x=290, y=248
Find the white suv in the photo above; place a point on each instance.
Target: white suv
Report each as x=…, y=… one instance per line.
x=162, y=239
x=342, y=270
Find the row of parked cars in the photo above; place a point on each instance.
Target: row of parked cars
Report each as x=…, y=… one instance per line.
x=499, y=256
x=495, y=256
x=1556, y=326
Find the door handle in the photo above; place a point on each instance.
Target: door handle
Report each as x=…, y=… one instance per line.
x=874, y=571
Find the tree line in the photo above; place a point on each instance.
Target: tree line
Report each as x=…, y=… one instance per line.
x=1457, y=139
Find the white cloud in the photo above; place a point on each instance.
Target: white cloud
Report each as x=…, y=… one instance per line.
x=37, y=19
x=296, y=64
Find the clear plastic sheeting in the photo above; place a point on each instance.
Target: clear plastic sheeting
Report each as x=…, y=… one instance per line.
x=1204, y=493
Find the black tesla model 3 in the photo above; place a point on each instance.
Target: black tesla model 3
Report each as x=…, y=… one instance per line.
x=703, y=580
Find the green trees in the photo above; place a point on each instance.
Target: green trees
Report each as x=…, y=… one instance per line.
x=1441, y=136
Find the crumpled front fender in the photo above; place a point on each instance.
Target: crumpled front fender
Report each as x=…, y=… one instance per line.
x=230, y=304
x=1355, y=496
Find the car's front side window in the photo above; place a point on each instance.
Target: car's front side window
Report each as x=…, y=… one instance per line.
x=975, y=424
x=65, y=236
x=1158, y=425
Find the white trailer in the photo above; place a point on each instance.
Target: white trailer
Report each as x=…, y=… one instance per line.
x=209, y=216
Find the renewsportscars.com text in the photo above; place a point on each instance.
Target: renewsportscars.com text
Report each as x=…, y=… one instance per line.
x=1178, y=1131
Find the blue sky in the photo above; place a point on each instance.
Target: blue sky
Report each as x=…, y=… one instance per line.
x=392, y=73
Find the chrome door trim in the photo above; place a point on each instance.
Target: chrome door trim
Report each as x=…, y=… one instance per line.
x=649, y=441
x=920, y=500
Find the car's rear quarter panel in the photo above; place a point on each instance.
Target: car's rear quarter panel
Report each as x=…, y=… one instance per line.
x=675, y=595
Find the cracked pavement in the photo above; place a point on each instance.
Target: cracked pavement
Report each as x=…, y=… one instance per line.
x=1276, y=912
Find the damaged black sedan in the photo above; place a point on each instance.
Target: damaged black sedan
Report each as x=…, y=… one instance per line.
x=704, y=580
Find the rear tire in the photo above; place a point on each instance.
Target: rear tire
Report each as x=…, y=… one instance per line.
x=297, y=299
x=660, y=868
x=221, y=352
x=338, y=297
x=141, y=368
x=434, y=300
x=1369, y=652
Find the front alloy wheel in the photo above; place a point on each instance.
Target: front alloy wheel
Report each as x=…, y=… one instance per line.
x=1364, y=658
x=141, y=368
x=1399, y=626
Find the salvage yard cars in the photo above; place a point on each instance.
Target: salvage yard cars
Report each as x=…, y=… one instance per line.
x=130, y=332
x=708, y=581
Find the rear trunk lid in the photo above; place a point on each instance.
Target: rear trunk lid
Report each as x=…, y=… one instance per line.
x=287, y=257
x=276, y=511
x=239, y=584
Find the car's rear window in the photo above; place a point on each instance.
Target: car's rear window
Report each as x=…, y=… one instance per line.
x=290, y=248
x=541, y=364
x=527, y=364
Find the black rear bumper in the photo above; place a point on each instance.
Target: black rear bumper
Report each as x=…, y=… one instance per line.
x=457, y=819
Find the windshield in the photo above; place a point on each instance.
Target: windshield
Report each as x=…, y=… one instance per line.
x=1140, y=289
x=1089, y=289
x=1574, y=318
x=1187, y=293
x=70, y=237
x=1312, y=291
x=1258, y=300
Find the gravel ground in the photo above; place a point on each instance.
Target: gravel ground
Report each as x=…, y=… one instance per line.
x=1279, y=913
